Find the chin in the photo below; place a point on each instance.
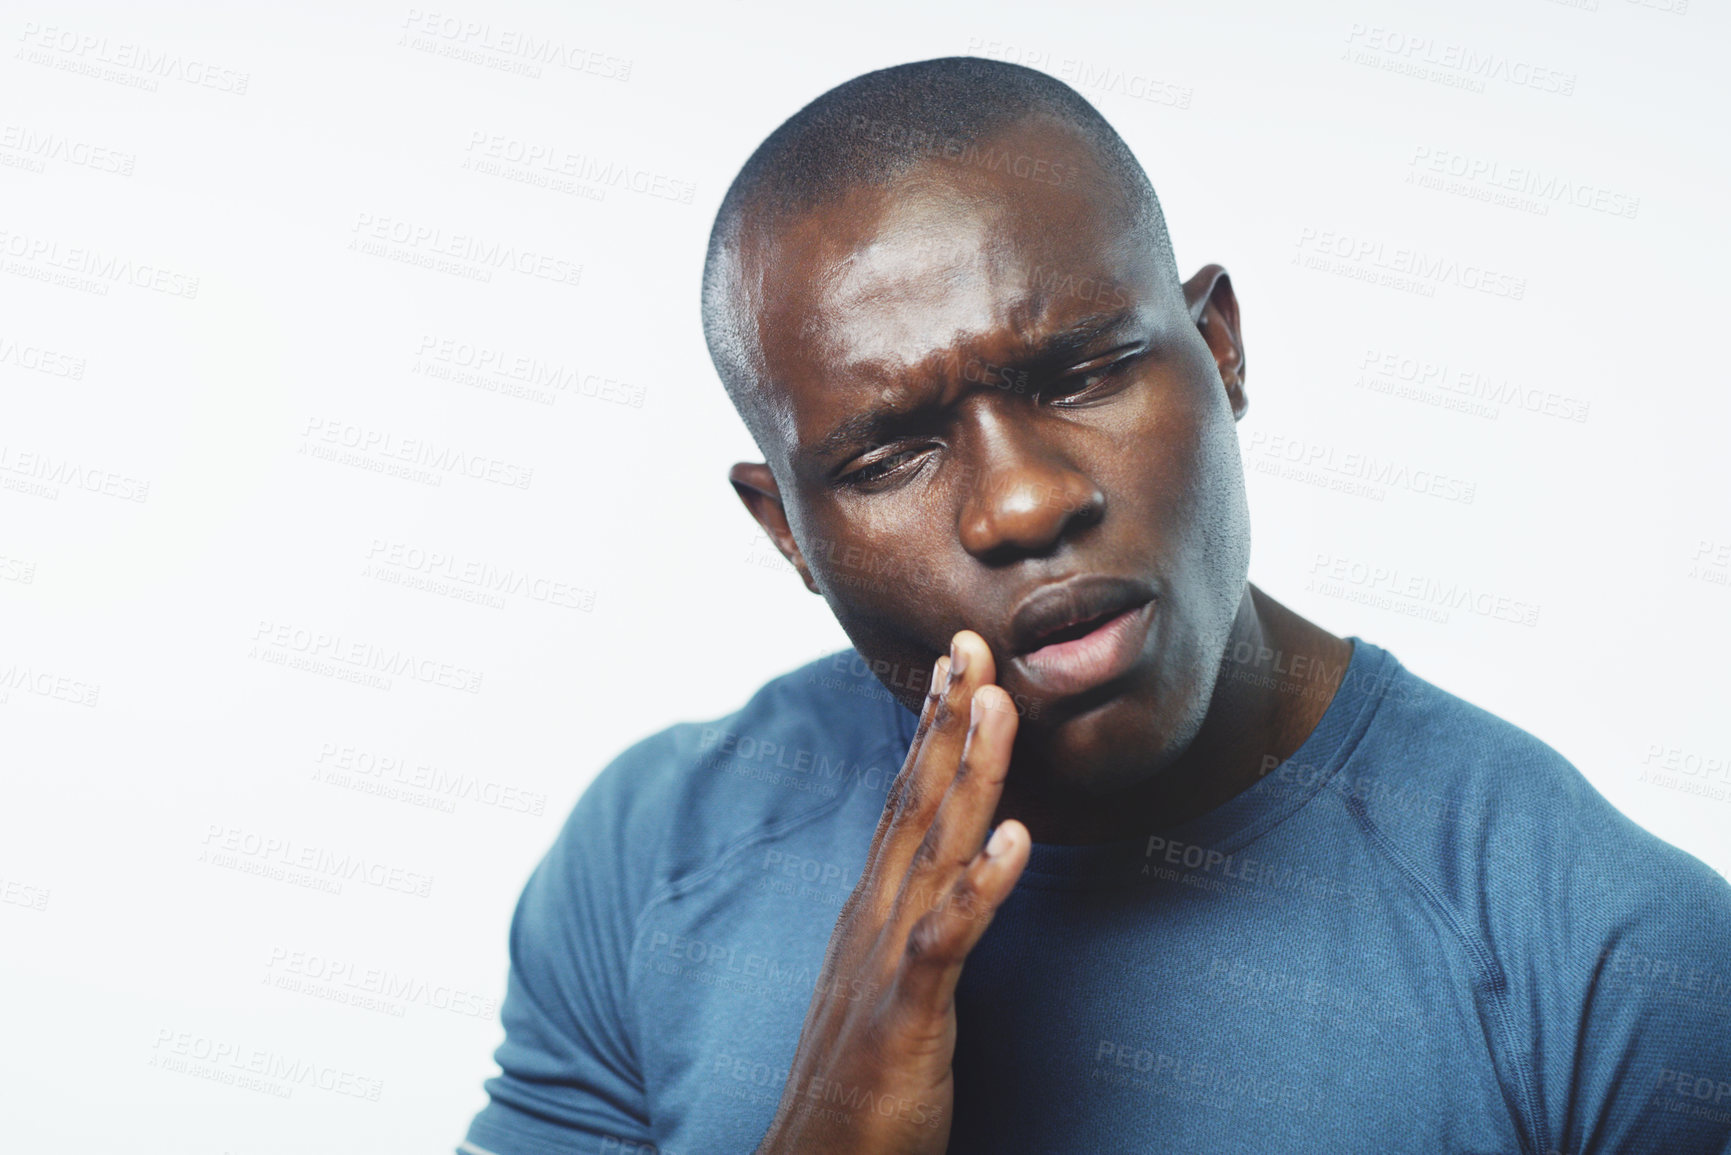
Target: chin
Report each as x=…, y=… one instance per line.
x=1119, y=744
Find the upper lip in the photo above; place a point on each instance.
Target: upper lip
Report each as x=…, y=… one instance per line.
x=1070, y=602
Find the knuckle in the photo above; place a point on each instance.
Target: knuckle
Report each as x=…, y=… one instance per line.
x=966, y=902
x=976, y=763
x=926, y=941
x=926, y=854
x=906, y=796
x=924, y=729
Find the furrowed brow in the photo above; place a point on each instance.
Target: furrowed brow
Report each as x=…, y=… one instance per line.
x=1077, y=336
x=864, y=429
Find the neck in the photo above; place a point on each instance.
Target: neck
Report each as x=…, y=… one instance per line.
x=1262, y=709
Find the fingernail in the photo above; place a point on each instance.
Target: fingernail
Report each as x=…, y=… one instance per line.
x=996, y=844
x=939, y=669
x=958, y=660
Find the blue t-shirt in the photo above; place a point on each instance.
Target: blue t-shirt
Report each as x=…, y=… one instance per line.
x=1423, y=932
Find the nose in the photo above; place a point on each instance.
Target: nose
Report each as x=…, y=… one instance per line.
x=1023, y=495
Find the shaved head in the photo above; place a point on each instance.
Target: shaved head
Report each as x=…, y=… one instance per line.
x=872, y=132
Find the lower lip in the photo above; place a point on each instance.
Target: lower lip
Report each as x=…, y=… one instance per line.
x=1093, y=659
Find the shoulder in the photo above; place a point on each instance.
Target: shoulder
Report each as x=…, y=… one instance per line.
x=1599, y=952
x=1505, y=827
x=677, y=800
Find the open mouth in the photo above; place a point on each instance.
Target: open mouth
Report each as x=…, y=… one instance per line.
x=1074, y=631
x=1082, y=655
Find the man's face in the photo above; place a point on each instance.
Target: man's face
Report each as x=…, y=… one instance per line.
x=993, y=410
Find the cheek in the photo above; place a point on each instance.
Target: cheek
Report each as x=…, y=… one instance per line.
x=1166, y=467
x=883, y=576
x=1184, y=482
x=1216, y=514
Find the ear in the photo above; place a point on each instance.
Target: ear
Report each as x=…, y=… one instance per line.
x=756, y=487
x=1214, y=309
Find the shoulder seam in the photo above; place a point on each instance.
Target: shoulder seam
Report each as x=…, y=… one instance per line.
x=1489, y=974
x=672, y=888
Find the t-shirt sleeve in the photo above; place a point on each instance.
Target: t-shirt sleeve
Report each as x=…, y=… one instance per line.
x=1653, y=1063
x=570, y=1082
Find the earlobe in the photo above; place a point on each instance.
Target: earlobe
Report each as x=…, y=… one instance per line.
x=1213, y=308
x=758, y=491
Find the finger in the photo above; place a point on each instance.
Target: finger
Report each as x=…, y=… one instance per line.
x=953, y=838
x=868, y=898
x=939, y=942
x=933, y=761
x=965, y=812
x=928, y=712
x=868, y=895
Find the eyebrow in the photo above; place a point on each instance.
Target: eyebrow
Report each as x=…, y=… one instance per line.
x=881, y=421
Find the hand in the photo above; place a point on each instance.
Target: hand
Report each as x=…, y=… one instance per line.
x=872, y=1070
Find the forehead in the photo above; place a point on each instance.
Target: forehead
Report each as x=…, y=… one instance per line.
x=983, y=254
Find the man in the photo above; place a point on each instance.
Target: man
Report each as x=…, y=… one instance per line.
x=1221, y=881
